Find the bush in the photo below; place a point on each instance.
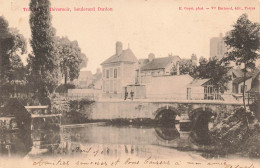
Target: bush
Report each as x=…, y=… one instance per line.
x=232, y=135
x=64, y=88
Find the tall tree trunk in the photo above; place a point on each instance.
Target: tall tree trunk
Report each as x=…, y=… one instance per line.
x=244, y=84
x=244, y=102
x=65, y=79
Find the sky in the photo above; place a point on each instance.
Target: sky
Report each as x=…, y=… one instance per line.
x=145, y=26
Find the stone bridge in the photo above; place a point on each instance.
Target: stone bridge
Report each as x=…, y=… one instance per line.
x=158, y=109
x=192, y=117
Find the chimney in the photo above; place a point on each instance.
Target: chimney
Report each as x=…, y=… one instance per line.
x=119, y=48
x=151, y=56
x=177, y=68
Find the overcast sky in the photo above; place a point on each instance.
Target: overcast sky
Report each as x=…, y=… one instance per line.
x=146, y=25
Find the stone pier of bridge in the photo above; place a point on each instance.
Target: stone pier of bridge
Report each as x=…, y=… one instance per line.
x=187, y=110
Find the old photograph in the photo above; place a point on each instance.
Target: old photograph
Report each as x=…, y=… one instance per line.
x=130, y=83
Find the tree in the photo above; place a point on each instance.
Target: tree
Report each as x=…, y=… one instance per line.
x=84, y=62
x=203, y=60
x=45, y=61
x=213, y=70
x=70, y=57
x=186, y=66
x=13, y=44
x=243, y=44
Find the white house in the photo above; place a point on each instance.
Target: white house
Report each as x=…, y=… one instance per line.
x=118, y=71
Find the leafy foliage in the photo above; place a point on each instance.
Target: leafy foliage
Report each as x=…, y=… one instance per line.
x=70, y=57
x=231, y=134
x=213, y=70
x=84, y=62
x=244, y=44
x=13, y=44
x=64, y=88
x=203, y=60
x=186, y=67
x=44, y=61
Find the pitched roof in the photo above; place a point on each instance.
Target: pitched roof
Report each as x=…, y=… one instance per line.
x=126, y=56
x=98, y=77
x=255, y=73
x=159, y=63
x=237, y=72
x=143, y=61
x=249, y=75
x=198, y=82
x=85, y=74
x=241, y=79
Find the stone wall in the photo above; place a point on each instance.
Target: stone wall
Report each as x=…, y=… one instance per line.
x=137, y=109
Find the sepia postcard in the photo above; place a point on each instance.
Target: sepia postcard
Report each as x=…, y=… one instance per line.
x=130, y=83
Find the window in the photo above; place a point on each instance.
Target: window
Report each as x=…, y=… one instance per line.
x=111, y=72
x=115, y=73
x=242, y=88
x=107, y=73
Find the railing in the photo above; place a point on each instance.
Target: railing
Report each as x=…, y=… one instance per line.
x=77, y=96
x=193, y=96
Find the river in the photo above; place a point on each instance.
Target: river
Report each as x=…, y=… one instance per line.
x=114, y=141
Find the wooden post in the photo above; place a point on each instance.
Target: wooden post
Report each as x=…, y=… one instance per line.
x=248, y=98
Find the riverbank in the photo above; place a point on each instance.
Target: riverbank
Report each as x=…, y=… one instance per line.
x=229, y=135
x=238, y=133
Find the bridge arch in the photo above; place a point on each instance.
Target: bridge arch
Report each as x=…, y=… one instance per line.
x=166, y=134
x=166, y=115
x=200, y=119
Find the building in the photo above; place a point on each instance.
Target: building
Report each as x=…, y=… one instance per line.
x=85, y=78
x=152, y=67
x=97, y=81
x=118, y=71
x=255, y=85
x=238, y=84
x=203, y=89
x=217, y=47
x=169, y=87
x=251, y=82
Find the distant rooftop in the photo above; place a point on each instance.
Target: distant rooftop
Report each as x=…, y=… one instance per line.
x=85, y=75
x=126, y=56
x=240, y=75
x=198, y=82
x=158, y=63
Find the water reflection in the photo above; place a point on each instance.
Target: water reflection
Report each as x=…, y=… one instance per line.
x=44, y=142
x=15, y=143
x=167, y=133
x=200, y=130
x=108, y=140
